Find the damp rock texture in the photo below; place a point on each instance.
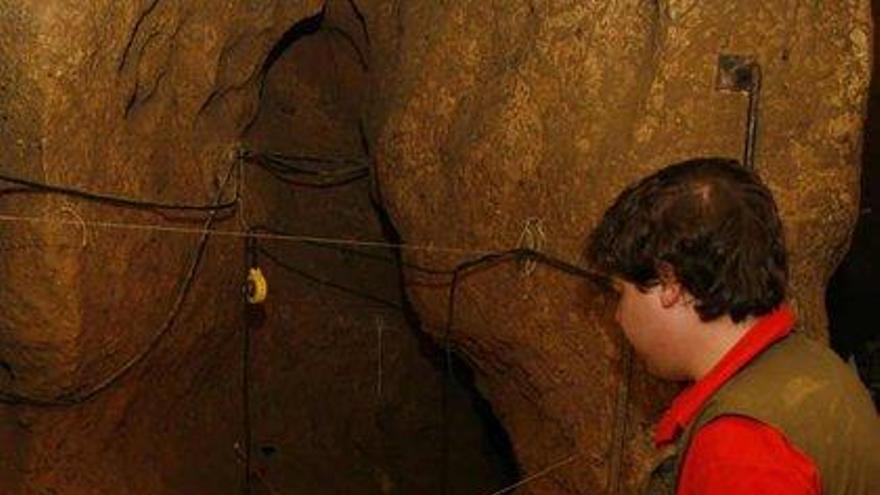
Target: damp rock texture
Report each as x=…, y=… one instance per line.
x=142, y=99
x=122, y=351
x=488, y=125
x=498, y=124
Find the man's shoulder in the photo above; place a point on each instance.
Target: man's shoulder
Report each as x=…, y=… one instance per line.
x=726, y=436
x=747, y=441
x=735, y=452
x=803, y=390
x=792, y=374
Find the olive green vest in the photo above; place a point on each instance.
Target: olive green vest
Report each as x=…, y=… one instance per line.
x=801, y=388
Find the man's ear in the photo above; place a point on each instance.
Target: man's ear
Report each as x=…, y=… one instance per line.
x=671, y=290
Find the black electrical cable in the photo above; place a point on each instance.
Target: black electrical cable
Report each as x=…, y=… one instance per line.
x=289, y=169
x=329, y=283
x=250, y=253
x=246, y=406
x=318, y=184
x=295, y=160
x=79, y=396
x=115, y=200
x=457, y=274
x=280, y=167
x=75, y=397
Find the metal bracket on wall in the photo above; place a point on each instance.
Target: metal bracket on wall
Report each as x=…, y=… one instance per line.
x=740, y=73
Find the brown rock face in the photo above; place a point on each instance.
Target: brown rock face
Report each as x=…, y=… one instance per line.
x=488, y=124
x=122, y=328
x=142, y=99
x=497, y=116
x=139, y=99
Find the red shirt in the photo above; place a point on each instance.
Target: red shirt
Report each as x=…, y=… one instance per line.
x=735, y=455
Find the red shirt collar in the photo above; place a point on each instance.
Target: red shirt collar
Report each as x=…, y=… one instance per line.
x=766, y=331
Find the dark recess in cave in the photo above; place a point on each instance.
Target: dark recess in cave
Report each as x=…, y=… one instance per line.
x=852, y=291
x=496, y=445
x=305, y=27
x=497, y=439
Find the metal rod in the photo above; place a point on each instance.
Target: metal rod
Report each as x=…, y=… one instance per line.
x=742, y=74
x=752, y=119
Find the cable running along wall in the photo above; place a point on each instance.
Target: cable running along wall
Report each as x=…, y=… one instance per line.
x=300, y=171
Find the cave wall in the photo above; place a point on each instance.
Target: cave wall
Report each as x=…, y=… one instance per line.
x=496, y=116
x=124, y=364
x=852, y=291
x=145, y=99
x=488, y=124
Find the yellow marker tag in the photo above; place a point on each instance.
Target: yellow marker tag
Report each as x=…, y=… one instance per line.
x=257, y=287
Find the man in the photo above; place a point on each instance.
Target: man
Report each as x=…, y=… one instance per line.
x=697, y=256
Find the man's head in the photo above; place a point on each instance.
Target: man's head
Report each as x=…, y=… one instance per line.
x=704, y=233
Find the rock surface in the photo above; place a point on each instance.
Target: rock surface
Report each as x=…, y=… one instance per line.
x=151, y=100
x=496, y=116
x=490, y=124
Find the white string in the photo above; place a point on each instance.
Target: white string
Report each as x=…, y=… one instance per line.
x=291, y=238
x=82, y=223
x=540, y=474
x=236, y=233
x=68, y=208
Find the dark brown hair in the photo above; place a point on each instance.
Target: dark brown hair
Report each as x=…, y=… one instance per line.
x=713, y=222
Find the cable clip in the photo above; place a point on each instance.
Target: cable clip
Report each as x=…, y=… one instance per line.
x=532, y=237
